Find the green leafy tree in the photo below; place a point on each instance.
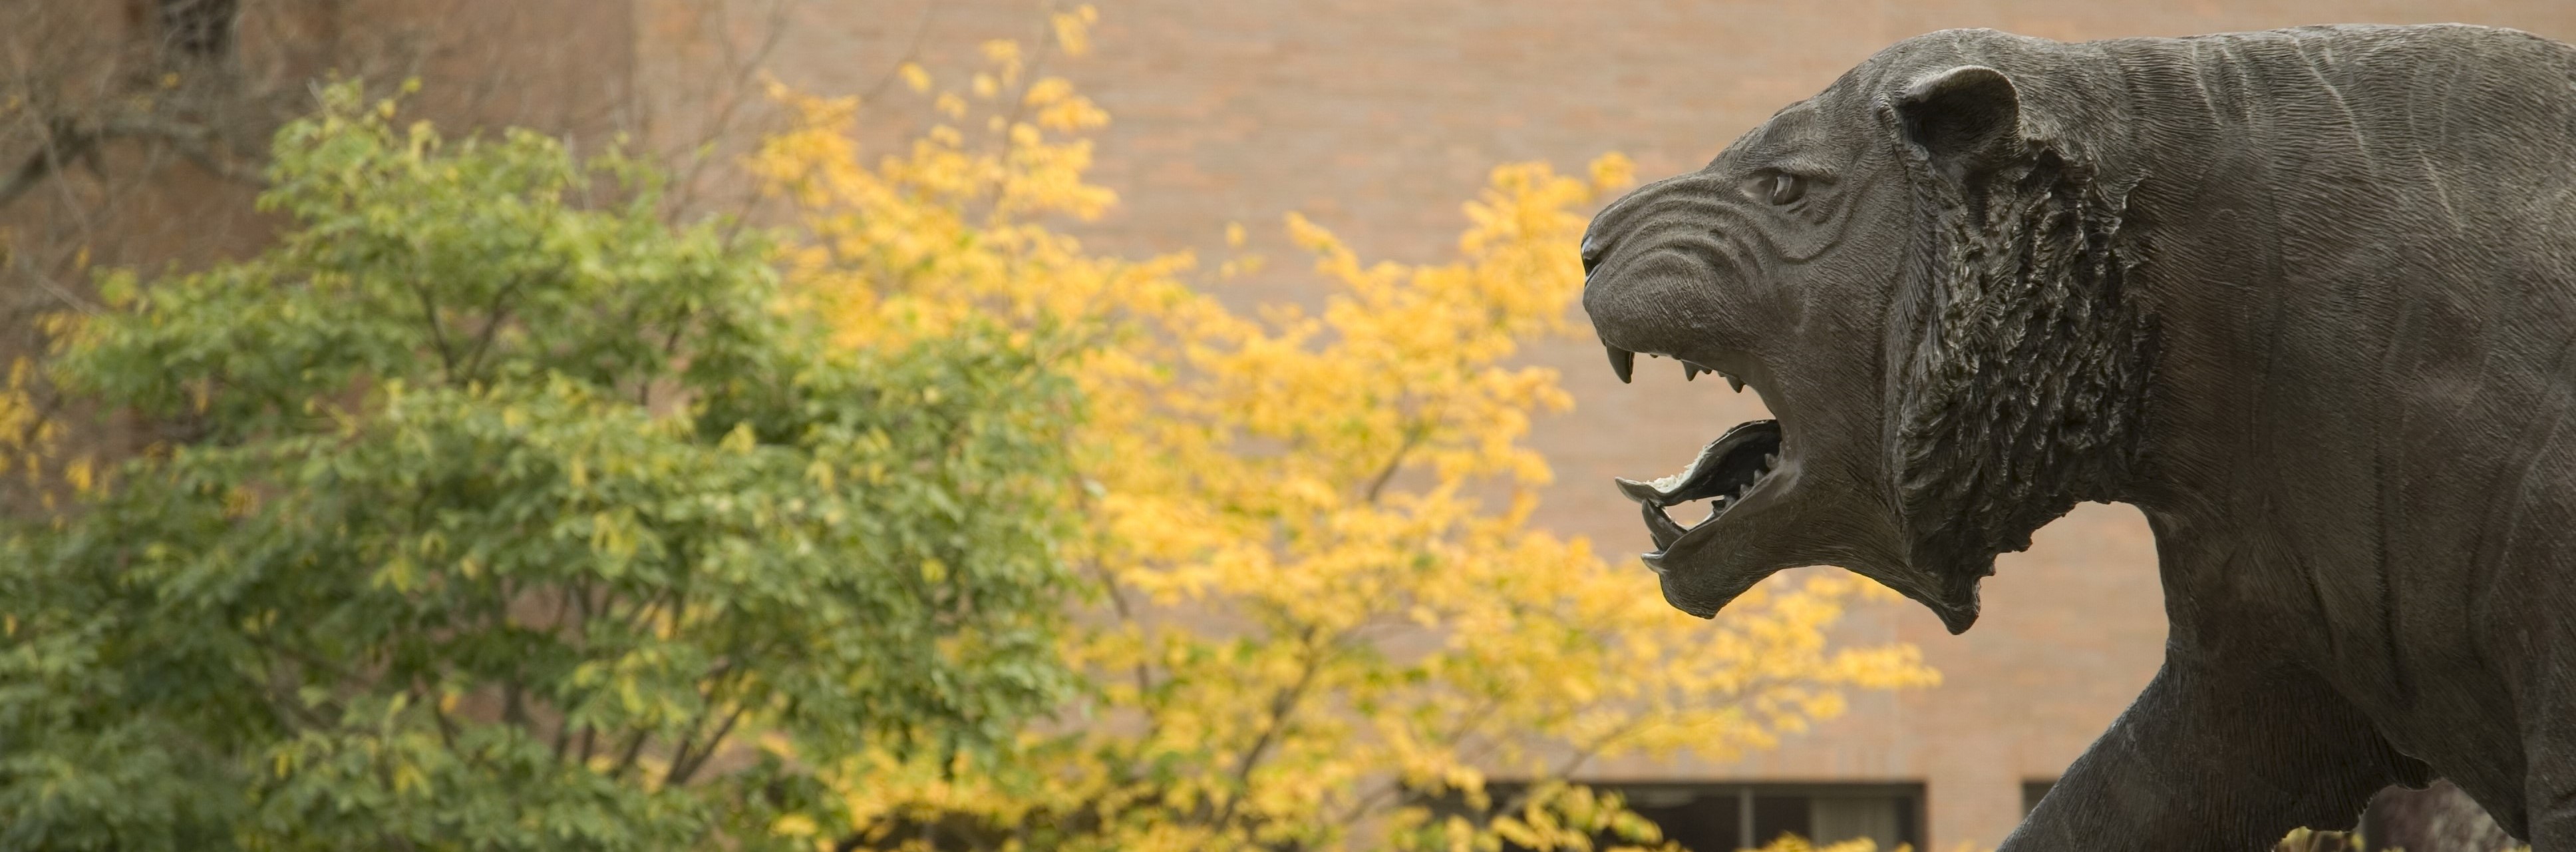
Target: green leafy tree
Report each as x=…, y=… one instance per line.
x=488, y=511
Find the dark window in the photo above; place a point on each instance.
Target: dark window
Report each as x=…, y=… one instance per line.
x=2031, y=791
x=1775, y=815
x=1705, y=816
x=1693, y=817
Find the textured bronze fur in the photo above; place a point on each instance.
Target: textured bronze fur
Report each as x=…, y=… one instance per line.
x=2022, y=396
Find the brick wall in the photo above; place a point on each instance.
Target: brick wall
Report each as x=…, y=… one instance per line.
x=1378, y=117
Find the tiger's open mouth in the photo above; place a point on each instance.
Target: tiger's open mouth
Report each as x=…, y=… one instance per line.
x=1725, y=474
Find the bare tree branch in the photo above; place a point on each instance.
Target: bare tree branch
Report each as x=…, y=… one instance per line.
x=195, y=142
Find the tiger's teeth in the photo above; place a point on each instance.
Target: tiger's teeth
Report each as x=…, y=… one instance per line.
x=1690, y=371
x=1738, y=383
x=1662, y=527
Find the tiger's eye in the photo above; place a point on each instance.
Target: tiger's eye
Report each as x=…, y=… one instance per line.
x=1786, y=188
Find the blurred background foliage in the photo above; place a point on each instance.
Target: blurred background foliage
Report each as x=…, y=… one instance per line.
x=1322, y=617
x=484, y=493
x=484, y=510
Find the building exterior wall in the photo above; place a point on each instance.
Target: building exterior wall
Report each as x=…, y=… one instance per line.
x=1376, y=118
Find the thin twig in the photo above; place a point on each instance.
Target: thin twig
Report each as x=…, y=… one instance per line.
x=437, y=331
x=911, y=53
x=718, y=126
x=192, y=141
x=682, y=769
x=628, y=755
x=40, y=164
x=50, y=286
x=495, y=315
x=1282, y=703
x=1377, y=484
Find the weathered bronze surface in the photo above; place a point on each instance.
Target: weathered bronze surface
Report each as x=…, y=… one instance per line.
x=2305, y=297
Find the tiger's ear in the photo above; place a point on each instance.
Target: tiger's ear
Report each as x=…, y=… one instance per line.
x=1964, y=121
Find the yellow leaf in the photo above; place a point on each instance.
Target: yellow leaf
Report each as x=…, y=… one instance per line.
x=795, y=825
x=1073, y=30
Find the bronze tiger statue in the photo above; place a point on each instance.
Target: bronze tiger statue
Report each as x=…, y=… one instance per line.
x=2306, y=298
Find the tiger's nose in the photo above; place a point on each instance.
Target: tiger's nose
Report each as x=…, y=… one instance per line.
x=1591, y=252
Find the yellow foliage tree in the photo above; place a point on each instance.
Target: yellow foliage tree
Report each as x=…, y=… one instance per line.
x=1323, y=617
x=1788, y=843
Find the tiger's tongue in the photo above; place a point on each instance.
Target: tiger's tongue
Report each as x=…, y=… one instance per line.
x=1723, y=471
x=1708, y=475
